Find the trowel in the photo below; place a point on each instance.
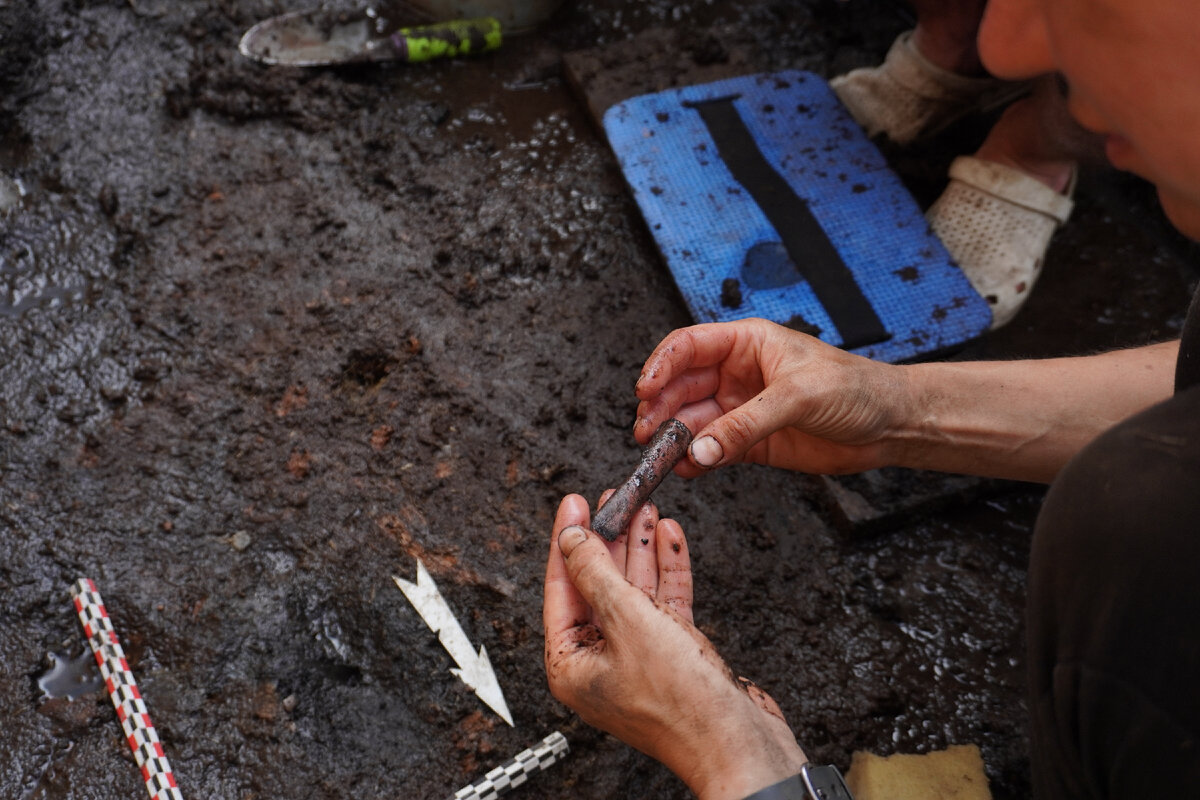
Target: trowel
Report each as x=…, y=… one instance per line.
x=316, y=38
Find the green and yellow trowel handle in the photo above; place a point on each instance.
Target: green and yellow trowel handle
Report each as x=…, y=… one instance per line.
x=458, y=37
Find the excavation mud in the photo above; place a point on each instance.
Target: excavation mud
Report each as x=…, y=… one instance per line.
x=270, y=336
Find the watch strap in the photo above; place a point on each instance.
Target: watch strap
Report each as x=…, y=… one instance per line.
x=792, y=788
x=811, y=783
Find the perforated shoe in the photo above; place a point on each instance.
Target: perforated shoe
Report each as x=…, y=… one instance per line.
x=997, y=223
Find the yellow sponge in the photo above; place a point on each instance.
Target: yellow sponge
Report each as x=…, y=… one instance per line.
x=955, y=773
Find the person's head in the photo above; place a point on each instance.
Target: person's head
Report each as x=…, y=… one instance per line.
x=1133, y=70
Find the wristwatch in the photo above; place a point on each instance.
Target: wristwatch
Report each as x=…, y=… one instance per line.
x=812, y=783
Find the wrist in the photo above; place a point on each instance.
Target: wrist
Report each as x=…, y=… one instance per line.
x=906, y=434
x=744, y=779
x=737, y=765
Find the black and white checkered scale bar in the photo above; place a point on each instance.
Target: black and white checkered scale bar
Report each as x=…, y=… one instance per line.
x=513, y=773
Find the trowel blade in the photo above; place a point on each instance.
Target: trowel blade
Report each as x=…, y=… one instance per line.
x=316, y=38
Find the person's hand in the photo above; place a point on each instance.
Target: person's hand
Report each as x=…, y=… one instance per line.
x=621, y=650
x=759, y=392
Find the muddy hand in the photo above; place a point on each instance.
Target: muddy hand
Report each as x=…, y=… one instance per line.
x=759, y=392
x=621, y=651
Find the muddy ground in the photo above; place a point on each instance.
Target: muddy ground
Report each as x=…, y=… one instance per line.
x=268, y=336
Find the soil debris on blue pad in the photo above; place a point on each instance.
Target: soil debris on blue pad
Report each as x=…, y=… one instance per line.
x=765, y=180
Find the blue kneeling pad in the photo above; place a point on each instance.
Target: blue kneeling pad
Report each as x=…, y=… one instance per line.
x=767, y=200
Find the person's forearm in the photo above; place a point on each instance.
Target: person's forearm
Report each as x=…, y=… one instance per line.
x=1024, y=419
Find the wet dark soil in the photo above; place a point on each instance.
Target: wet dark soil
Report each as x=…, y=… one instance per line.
x=268, y=336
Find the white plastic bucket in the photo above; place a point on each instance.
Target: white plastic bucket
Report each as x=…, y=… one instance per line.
x=515, y=15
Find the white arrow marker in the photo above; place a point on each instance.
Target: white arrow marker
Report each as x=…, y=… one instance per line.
x=474, y=670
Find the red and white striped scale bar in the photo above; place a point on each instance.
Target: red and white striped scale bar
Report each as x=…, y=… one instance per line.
x=131, y=709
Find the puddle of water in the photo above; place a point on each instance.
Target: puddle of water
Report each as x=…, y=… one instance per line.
x=768, y=266
x=68, y=677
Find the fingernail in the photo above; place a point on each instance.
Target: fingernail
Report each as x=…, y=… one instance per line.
x=707, y=452
x=571, y=538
